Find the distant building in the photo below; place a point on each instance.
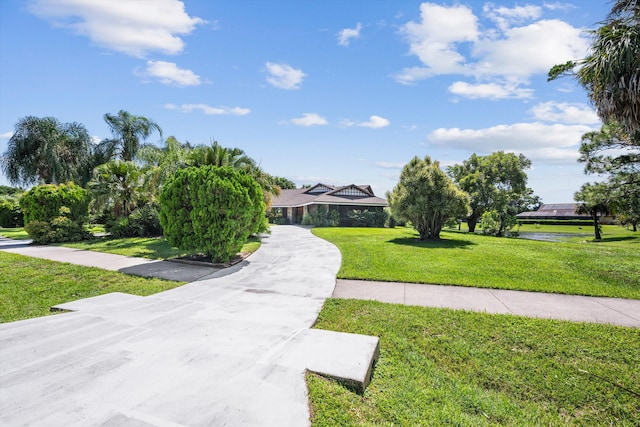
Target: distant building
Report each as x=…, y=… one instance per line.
x=295, y=204
x=559, y=211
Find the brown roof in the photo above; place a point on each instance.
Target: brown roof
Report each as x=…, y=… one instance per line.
x=323, y=194
x=558, y=210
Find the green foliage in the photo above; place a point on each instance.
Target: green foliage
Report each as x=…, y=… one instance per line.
x=142, y=222
x=495, y=182
x=211, y=209
x=322, y=216
x=44, y=202
x=283, y=183
x=595, y=200
x=45, y=150
x=275, y=216
x=59, y=229
x=367, y=218
x=5, y=190
x=426, y=197
x=496, y=223
x=10, y=213
x=127, y=130
x=117, y=188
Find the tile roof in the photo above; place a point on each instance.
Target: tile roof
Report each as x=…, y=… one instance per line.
x=564, y=210
x=343, y=195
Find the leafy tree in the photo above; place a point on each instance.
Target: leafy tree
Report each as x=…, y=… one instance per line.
x=127, y=130
x=497, y=182
x=427, y=197
x=283, y=183
x=212, y=210
x=161, y=163
x=45, y=150
x=117, y=187
x=595, y=201
x=611, y=72
x=628, y=210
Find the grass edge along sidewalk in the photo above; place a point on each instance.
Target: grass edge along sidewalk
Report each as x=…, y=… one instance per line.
x=606, y=269
x=451, y=367
x=35, y=285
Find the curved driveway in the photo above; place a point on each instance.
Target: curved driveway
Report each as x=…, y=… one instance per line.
x=206, y=353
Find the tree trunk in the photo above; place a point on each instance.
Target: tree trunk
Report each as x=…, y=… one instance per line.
x=596, y=226
x=472, y=220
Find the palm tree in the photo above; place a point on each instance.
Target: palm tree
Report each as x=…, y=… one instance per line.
x=611, y=72
x=128, y=129
x=217, y=155
x=117, y=186
x=45, y=150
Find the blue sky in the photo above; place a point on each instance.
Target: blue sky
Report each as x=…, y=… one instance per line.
x=326, y=91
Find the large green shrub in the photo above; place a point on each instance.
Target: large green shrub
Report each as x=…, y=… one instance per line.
x=55, y=213
x=43, y=203
x=10, y=213
x=212, y=210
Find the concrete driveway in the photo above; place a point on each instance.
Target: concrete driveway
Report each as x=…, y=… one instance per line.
x=230, y=350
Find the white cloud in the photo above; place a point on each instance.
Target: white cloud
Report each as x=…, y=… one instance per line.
x=505, y=17
x=537, y=141
x=345, y=36
x=284, y=76
x=6, y=135
x=375, y=122
x=489, y=90
x=95, y=139
x=169, y=74
x=134, y=27
x=206, y=109
x=564, y=112
x=501, y=59
x=565, y=7
x=390, y=165
x=310, y=119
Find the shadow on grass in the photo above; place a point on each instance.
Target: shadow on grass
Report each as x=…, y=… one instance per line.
x=436, y=244
x=636, y=239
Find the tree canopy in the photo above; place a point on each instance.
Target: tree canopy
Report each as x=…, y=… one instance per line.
x=43, y=149
x=611, y=72
x=595, y=200
x=497, y=182
x=427, y=197
x=128, y=130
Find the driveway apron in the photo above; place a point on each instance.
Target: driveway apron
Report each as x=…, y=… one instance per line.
x=206, y=353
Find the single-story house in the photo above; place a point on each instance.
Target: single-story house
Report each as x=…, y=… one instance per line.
x=295, y=204
x=559, y=211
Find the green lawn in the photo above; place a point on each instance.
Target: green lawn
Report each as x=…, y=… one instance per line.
x=608, y=268
x=145, y=247
x=30, y=286
x=444, y=367
x=14, y=233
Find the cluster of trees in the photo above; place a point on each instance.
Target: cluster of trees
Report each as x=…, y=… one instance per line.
x=124, y=176
x=611, y=76
x=490, y=188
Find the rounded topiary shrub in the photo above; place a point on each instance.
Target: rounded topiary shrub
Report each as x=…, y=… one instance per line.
x=55, y=213
x=43, y=203
x=212, y=210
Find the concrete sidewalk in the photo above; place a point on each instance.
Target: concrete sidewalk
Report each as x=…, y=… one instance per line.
x=130, y=265
x=616, y=311
x=228, y=350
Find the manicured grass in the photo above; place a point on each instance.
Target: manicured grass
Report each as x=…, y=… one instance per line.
x=14, y=233
x=444, y=367
x=145, y=247
x=30, y=286
x=609, y=268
